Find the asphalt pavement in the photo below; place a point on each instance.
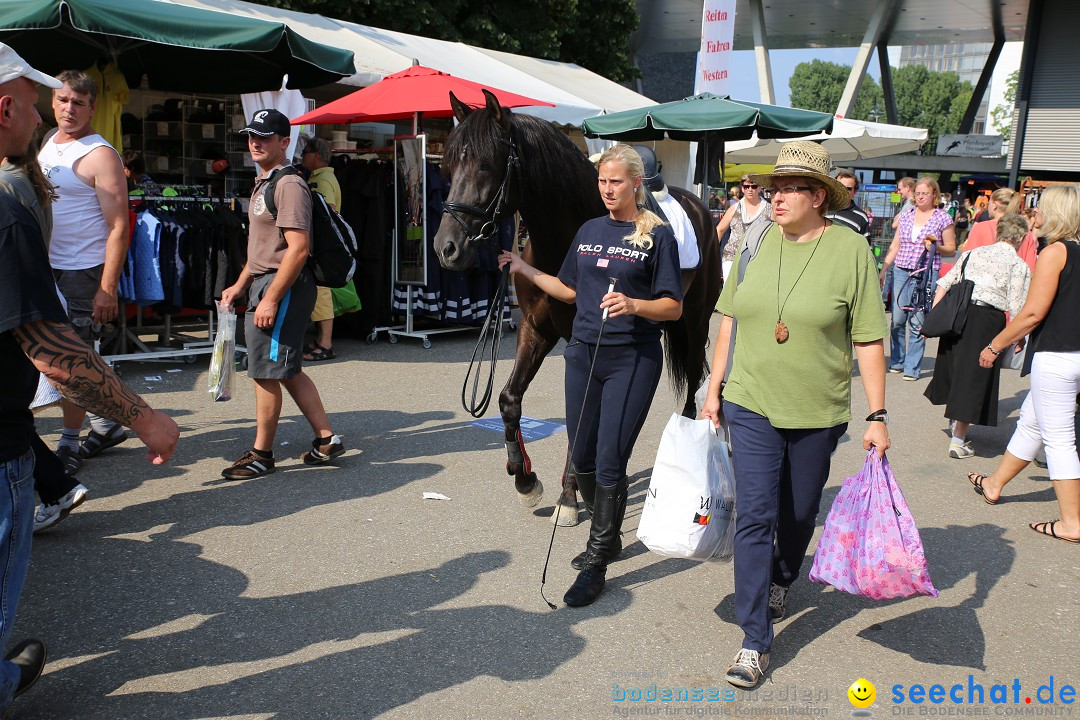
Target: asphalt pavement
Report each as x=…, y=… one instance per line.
x=340, y=592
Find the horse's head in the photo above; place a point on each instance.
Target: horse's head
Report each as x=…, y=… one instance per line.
x=478, y=161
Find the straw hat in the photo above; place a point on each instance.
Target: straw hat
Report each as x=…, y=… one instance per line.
x=804, y=158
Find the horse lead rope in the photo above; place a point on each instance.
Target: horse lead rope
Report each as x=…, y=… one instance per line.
x=490, y=337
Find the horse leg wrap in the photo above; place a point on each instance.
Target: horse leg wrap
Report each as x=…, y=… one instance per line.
x=516, y=453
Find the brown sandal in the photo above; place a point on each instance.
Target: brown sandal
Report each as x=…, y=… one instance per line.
x=977, y=480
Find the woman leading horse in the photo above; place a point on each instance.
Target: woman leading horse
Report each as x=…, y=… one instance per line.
x=623, y=274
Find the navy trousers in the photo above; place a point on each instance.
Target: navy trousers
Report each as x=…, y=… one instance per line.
x=619, y=394
x=779, y=476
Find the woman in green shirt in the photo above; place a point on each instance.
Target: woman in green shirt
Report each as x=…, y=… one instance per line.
x=809, y=294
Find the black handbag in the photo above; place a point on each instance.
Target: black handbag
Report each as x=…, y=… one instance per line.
x=947, y=318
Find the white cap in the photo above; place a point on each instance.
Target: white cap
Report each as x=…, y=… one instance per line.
x=13, y=67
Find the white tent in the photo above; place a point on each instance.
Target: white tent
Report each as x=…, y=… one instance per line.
x=577, y=93
x=849, y=140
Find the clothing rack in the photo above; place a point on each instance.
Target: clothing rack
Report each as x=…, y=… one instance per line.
x=129, y=336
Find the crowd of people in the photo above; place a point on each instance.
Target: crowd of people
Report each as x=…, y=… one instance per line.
x=802, y=282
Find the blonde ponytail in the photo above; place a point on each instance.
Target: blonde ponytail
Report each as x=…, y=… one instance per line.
x=645, y=221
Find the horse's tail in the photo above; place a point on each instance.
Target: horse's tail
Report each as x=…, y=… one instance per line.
x=677, y=352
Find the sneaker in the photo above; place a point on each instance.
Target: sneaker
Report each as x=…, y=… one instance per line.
x=251, y=465
x=322, y=452
x=911, y=378
x=959, y=452
x=778, y=601
x=748, y=669
x=896, y=370
x=71, y=458
x=50, y=514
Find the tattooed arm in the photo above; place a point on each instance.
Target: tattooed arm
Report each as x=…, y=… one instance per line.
x=83, y=377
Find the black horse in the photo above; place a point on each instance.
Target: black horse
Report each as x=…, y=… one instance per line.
x=499, y=163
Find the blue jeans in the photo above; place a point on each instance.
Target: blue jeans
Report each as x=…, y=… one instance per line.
x=779, y=476
x=906, y=352
x=16, y=526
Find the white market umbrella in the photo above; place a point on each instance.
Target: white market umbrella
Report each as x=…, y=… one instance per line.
x=849, y=140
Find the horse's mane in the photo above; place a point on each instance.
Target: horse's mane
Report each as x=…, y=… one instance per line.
x=549, y=160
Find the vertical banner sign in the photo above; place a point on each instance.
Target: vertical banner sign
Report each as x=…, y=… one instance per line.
x=714, y=57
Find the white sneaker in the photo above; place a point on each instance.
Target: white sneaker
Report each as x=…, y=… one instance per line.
x=747, y=669
x=959, y=452
x=48, y=515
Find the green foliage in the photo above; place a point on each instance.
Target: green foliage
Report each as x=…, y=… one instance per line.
x=925, y=99
x=1001, y=116
x=592, y=34
x=819, y=85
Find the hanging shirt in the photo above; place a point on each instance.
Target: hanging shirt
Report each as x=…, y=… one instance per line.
x=599, y=253
x=145, y=248
x=113, y=94
x=79, y=227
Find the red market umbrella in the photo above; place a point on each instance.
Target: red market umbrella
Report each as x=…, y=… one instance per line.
x=402, y=95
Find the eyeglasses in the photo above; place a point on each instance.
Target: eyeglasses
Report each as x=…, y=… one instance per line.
x=785, y=190
x=750, y=186
x=924, y=194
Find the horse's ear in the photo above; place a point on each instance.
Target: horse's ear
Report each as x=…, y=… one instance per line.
x=461, y=110
x=498, y=112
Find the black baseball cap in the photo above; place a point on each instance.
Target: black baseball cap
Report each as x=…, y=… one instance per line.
x=265, y=123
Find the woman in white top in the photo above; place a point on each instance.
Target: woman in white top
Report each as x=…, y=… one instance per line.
x=970, y=392
x=740, y=217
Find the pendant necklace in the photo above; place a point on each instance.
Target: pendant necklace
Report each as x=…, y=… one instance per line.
x=781, y=331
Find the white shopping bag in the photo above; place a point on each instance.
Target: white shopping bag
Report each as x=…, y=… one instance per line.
x=220, y=379
x=690, y=506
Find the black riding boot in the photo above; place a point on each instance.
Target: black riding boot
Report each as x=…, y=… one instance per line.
x=586, y=483
x=602, y=536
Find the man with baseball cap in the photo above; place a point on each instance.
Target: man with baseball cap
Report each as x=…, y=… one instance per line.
x=35, y=336
x=280, y=287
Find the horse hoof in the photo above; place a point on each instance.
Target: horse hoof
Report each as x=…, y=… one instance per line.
x=565, y=515
x=532, y=498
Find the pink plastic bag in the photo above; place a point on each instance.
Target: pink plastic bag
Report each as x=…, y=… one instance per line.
x=870, y=545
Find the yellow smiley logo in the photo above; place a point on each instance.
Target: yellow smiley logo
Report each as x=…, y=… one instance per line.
x=862, y=693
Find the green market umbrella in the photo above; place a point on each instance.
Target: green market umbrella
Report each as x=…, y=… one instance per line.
x=709, y=120
x=692, y=118
x=178, y=48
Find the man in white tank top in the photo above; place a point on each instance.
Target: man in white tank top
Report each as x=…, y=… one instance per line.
x=89, y=241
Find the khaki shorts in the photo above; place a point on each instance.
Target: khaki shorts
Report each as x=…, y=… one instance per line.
x=324, y=305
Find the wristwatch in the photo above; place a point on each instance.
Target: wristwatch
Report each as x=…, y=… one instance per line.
x=881, y=416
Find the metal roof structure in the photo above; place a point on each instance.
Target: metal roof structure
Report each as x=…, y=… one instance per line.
x=675, y=25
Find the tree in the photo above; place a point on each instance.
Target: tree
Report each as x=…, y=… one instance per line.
x=592, y=34
x=1002, y=115
x=925, y=99
x=819, y=85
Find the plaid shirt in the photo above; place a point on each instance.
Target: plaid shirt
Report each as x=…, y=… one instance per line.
x=911, y=248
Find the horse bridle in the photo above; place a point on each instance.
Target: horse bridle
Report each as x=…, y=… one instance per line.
x=491, y=214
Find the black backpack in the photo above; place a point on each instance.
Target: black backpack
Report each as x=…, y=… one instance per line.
x=334, y=251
